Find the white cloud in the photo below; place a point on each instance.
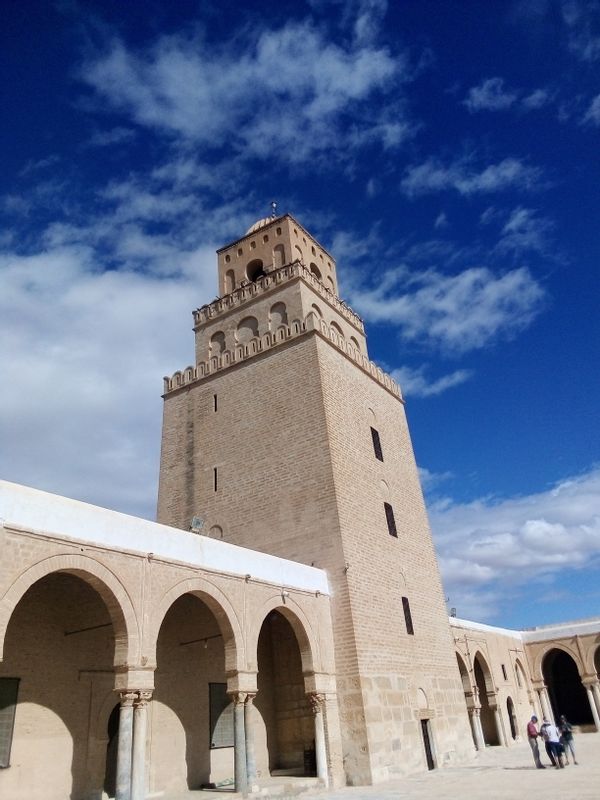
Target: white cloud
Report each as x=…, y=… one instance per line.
x=583, y=25
x=490, y=95
x=441, y=221
x=490, y=547
x=456, y=313
x=536, y=99
x=286, y=89
x=414, y=382
x=524, y=230
x=593, y=113
x=84, y=353
x=434, y=176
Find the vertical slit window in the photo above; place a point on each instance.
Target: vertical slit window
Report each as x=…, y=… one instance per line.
x=9, y=688
x=215, y=479
x=408, y=617
x=391, y=522
x=215, y=402
x=504, y=672
x=377, y=444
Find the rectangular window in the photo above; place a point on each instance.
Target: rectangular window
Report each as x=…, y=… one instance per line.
x=504, y=672
x=215, y=401
x=391, y=522
x=221, y=716
x=215, y=479
x=377, y=444
x=9, y=688
x=408, y=616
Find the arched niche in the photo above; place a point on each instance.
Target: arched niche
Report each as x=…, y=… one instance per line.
x=278, y=316
x=217, y=343
x=279, y=256
x=229, y=281
x=336, y=328
x=247, y=330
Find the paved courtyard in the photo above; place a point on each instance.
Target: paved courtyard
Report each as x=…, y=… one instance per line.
x=498, y=773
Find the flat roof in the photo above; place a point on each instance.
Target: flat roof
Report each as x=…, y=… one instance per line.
x=41, y=512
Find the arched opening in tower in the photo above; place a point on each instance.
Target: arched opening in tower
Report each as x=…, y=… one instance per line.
x=255, y=270
x=567, y=693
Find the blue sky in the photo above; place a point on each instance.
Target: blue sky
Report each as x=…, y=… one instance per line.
x=446, y=153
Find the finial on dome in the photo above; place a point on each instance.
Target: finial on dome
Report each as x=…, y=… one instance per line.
x=273, y=209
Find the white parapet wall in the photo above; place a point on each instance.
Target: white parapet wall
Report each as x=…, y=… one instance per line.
x=22, y=507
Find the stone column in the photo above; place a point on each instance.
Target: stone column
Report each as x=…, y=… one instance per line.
x=596, y=691
x=138, y=766
x=124, y=744
x=474, y=715
x=239, y=740
x=317, y=703
x=499, y=726
x=544, y=703
x=249, y=731
x=595, y=715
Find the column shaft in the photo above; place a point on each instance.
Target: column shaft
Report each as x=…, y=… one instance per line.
x=239, y=740
x=499, y=727
x=249, y=732
x=124, y=746
x=596, y=691
x=138, y=766
x=477, y=729
x=595, y=715
x=317, y=702
x=545, y=703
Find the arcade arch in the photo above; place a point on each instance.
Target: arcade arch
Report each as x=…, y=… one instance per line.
x=60, y=641
x=565, y=689
x=192, y=716
x=487, y=699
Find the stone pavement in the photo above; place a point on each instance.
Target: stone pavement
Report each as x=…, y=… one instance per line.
x=499, y=773
x=495, y=774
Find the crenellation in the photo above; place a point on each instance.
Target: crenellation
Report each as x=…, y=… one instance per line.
x=267, y=341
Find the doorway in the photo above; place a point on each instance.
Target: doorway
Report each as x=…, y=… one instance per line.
x=426, y=734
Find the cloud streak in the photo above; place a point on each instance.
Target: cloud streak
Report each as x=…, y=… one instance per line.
x=490, y=547
x=435, y=176
x=455, y=313
x=291, y=88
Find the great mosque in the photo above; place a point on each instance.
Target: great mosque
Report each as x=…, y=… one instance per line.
x=284, y=618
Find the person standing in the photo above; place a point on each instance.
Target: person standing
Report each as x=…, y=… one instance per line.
x=566, y=736
x=551, y=738
x=532, y=737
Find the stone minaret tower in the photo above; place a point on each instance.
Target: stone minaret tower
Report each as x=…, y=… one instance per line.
x=285, y=438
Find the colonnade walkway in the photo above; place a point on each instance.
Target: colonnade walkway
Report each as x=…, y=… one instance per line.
x=498, y=773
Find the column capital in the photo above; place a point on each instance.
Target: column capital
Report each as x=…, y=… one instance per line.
x=250, y=698
x=142, y=698
x=590, y=680
x=238, y=698
x=316, y=700
x=127, y=698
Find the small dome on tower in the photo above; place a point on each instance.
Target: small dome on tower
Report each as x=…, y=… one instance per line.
x=261, y=223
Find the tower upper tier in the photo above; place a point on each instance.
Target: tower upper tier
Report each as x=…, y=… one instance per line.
x=269, y=244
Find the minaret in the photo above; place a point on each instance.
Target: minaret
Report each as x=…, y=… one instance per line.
x=285, y=438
